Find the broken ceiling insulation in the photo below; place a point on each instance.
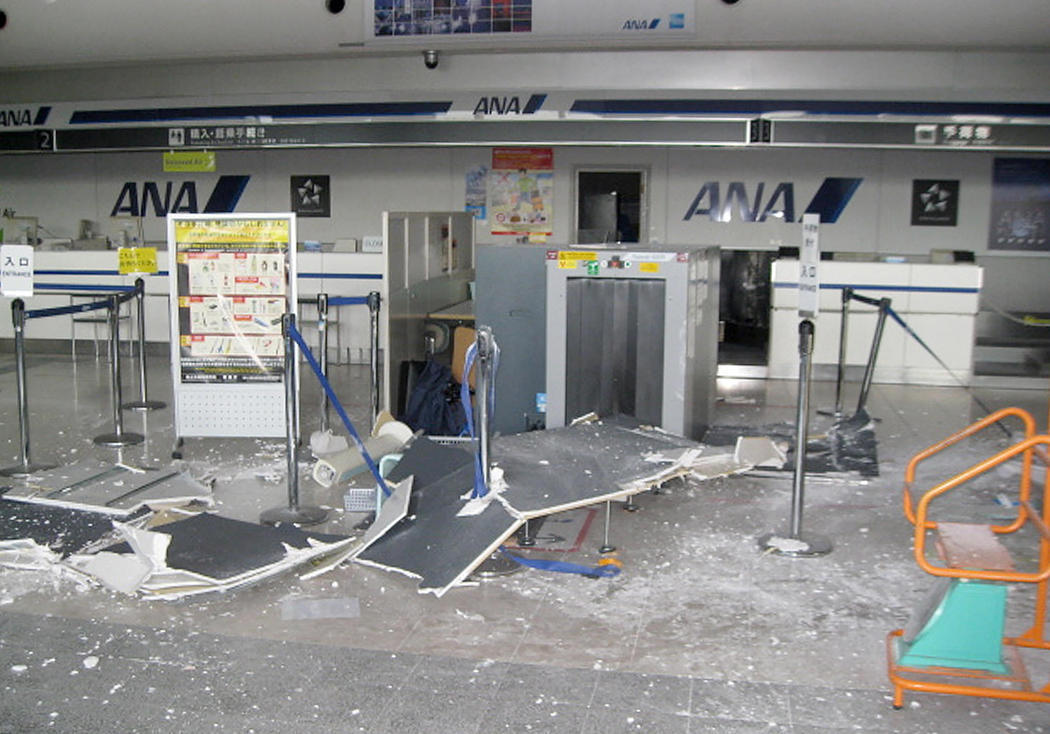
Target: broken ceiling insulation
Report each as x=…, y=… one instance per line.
x=544, y=472
x=203, y=552
x=36, y=536
x=115, y=489
x=342, y=464
x=848, y=445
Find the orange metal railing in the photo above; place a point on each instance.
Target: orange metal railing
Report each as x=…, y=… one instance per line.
x=913, y=465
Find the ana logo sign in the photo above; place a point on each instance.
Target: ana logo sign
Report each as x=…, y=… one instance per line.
x=829, y=201
x=23, y=116
x=142, y=201
x=509, y=105
x=640, y=24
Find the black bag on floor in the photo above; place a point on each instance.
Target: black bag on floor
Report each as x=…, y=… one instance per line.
x=433, y=405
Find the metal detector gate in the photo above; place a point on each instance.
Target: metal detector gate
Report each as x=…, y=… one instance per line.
x=633, y=333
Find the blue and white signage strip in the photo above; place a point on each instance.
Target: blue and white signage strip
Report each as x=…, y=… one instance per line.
x=561, y=117
x=509, y=104
x=794, y=107
x=894, y=288
x=164, y=274
x=258, y=113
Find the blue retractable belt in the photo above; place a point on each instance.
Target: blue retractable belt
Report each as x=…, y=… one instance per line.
x=338, y=408
x=480, y=490
x=606, y=568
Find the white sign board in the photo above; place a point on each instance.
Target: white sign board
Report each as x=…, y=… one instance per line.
x=232, y=278
x=16, y=270
x=809, y=258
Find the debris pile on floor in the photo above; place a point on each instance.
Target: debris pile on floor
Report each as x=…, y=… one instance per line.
x=141, y=531
x=847, y=446
x=541, y=473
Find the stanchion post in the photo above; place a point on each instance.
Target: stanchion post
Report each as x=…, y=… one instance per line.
x=373, y=362
x=805, y=352
x=294, y=512
x=847, y=294
x=876, y=341
x=119, y=437
x=322, y=348
x=483, y=374
x=143, y=403
x=24, y=467
x=484, y=366
x=796, y=544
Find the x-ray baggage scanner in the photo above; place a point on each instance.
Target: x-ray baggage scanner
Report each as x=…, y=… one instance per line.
x=635, y=333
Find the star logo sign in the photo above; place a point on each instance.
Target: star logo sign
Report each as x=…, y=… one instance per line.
x=310, y=193
x=934, y=199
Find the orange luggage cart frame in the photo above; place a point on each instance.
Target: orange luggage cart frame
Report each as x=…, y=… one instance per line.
x=1015, y=684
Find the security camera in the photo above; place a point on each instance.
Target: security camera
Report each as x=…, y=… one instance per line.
x=430, y=59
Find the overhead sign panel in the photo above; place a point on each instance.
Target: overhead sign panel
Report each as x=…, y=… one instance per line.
x=453, y=20
x=906, y=134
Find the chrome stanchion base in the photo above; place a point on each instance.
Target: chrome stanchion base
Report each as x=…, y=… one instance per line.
x=295, y=515
x=119, y=439
x=497, y=565
x=806, y=546
x=24, y=470
x=145, y=405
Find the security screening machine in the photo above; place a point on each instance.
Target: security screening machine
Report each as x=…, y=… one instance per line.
x=633, y=333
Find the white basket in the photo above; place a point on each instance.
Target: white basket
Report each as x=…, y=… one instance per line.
x=359, y=499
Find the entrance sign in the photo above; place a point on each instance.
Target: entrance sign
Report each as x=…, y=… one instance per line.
x=809, y=257
x=16, y=270
x=232, y=276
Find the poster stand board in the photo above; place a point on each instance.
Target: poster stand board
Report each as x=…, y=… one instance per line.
x=231, y=277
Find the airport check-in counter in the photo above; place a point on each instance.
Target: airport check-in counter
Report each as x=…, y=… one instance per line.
x=938, y=301
x=347, y=274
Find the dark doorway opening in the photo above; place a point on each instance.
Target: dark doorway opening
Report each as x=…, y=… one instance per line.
x=743, y=306
x=609, y=206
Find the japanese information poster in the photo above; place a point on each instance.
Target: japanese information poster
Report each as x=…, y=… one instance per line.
x=233, y=281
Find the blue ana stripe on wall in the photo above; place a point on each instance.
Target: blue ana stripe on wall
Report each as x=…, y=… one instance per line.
x=813, y=107
x=895, y=288
x=283, y=111
x=164, y=273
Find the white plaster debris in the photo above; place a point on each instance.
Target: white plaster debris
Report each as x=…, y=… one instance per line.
x=470, y=616
x=476, y=505
x=20, y=668
x=787, y=545
x=90, y=662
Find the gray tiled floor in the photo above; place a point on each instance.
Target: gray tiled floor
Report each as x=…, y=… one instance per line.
x=701, y=632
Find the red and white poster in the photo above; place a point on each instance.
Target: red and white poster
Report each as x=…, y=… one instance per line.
x=521, y=191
